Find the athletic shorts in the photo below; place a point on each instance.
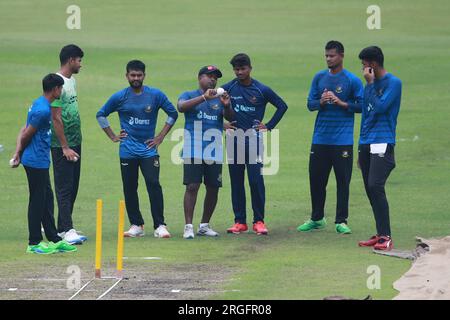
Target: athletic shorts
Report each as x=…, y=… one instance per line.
x=210, y=174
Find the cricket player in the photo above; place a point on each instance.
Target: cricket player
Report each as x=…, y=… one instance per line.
x=66, y=143
x=249, y=98
x=336, y=94
x=138, y=108
x=382, y=97
x=202, y=150
x=33, y=151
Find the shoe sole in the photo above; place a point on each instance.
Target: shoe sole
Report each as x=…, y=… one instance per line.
x=163, y=237
x=238, y=232
x=205, y=235
x=126, y=235
x=261, y=233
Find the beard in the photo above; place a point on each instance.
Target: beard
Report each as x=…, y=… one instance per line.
x=136, y=84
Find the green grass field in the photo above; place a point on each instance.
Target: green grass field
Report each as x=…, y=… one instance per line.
x=285, y=40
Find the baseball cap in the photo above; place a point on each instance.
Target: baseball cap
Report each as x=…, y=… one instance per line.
x=209, y=70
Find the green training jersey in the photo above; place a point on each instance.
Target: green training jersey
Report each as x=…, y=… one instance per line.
x=70, y=114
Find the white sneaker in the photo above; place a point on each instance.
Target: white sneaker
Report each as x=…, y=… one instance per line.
x=72, y=237
x=161, y=232
x=134, y=231
x=205, y=230
x=188, y=231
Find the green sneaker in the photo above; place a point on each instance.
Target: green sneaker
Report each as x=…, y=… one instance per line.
x=311, y=225
x=343, y=228
x=41, y=248
x=62, y=246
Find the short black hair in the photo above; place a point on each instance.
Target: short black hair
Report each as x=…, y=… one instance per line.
x=70, y=51
x=333, y=44
x=240, y=60
x=50, y=81
x=136, y=65
x=372, y=54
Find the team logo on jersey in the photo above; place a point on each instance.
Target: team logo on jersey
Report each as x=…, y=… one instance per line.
x=338, y=89
x=219, y=178
x=253, y=99
x=380, y=92
x=156, y=163
x=148, y=109
x=215, y=107
x=345, y=154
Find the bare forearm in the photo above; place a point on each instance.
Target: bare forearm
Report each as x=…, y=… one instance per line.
x=59, y=131
x=187, y=105
x=19, y=142
x=228, y=113
x=109, y=133
x=165, y=130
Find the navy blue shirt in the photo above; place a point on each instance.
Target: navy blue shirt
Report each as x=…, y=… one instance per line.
x=203, y=128
x=138, y=114
x=380, y=110
x=249, y=103
x=334, y=125
x=37, y=153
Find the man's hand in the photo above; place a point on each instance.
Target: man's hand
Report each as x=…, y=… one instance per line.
x=334, y=99
x=155, y=142
x=325, y=98
x=15, y=160
x=70, y=154
x=210, y=94
x=225, y=99
x=229, y=126
x=369, y=75
x=122, y=135
x=259, y=126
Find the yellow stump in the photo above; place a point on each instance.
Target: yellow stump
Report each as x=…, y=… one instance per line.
x=120, y=238
x=98, y=240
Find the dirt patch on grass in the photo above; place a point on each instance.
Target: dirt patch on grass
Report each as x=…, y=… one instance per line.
x=142, y=281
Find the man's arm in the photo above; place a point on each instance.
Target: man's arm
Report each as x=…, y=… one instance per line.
x=381, y=104
x=110, y=106
x=228, y=112
x=172, y=116
x=23, y=139
x=185, y=105
x=59, y=131
x=278, y=103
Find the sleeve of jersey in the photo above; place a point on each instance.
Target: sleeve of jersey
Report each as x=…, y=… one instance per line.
x=36, y=119
x=109, y=107
x=278, y=103
x=355, y=105
x=381, y=104
x=314, y=95
x=169, y=109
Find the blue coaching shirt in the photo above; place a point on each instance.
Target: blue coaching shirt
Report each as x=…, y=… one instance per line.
x=334, y=125
x=203, y=128
x=37, y=153
x=380, y=110
x=138, y=114
x=249, y=103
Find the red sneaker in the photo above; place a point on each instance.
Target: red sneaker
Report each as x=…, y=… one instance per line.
x=260, y=228
x=237, y=228
x=384, y=243
x=369, y=243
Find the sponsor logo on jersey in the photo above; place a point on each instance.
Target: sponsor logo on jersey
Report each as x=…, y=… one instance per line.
x=134, y=120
